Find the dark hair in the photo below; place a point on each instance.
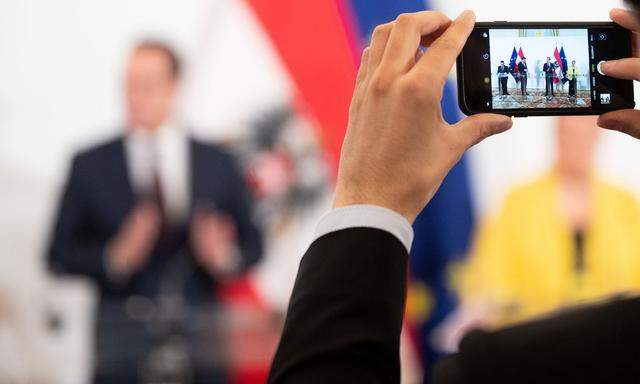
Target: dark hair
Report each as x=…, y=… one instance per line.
x=164, y=48
x=502, y=61
x=524, y=58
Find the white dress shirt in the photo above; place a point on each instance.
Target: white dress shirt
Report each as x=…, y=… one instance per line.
x=164, y=152
x=367, y=216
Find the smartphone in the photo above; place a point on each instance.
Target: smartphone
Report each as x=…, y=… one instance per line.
x=543, y=69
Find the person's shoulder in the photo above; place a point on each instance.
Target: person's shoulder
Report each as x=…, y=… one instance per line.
x=211, y=150
x=98, y=151
x=524, y=194
x=218, y=158
x=616, y=194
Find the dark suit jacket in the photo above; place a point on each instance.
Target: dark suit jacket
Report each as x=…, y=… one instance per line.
x=522, y=68
x=98, y=196
x=344, y=321
x=503, y=69
x=549, y=69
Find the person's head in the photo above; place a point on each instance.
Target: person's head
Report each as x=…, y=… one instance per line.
x=524, y=59
x=577, y=137
x=151, y=83
x=548, y=60
x=573, y=62
x=501, y=62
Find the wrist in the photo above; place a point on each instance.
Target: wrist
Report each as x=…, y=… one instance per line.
x=380, y=199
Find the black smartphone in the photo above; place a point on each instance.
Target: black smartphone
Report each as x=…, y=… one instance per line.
x=543, y=69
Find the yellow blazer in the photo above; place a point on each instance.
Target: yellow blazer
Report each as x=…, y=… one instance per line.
x=523, y=261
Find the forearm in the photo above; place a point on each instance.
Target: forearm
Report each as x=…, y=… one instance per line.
x=345, y=311
x=75, y=258
x=586, y=344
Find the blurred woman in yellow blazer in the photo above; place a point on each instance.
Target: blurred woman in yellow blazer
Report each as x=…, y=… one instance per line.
x=566, y=237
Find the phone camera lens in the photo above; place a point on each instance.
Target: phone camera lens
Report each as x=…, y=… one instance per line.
x=602, y=36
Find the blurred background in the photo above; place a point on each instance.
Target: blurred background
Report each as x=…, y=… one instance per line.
x=109, y=273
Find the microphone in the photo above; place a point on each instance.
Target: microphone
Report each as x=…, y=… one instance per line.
x=578, y=261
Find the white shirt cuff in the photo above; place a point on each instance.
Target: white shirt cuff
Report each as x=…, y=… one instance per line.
x=367, y=216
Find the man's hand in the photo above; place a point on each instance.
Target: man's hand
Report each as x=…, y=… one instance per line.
x=214, y=241
x=398, y=148
x=627, y=120
x=129, y=251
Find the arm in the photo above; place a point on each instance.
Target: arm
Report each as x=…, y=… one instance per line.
x=344, y=319
x=588, y=344
x=73, y=249
x=241, y=206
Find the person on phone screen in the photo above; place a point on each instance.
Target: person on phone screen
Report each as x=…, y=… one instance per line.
x=549, y=70
x=524, y=74
x=572, y=75
x=503, y=76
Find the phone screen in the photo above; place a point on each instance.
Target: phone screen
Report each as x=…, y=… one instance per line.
x=544, y=68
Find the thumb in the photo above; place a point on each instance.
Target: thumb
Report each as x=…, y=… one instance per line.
x=476, y=128
x=625, y=121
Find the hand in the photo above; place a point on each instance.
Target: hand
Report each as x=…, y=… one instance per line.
x=129, y=251
x=398, y=148
x=627, y=120
x=213, y=237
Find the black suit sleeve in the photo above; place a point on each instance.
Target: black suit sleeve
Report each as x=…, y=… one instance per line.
x=596, y=343
x=345, y=315
x=73, y=249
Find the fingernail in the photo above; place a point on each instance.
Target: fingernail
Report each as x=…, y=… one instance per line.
x=608, y=122
x=605, y=66
x=465, y=13
x=505, y=124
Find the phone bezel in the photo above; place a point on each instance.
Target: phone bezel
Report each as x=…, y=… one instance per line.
x=539, y=111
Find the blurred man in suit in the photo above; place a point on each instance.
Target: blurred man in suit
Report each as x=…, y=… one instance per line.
x=523, y=70
x=150, y=215
x=503, y=76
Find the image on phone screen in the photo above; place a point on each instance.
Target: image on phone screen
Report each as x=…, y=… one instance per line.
x=539, y=68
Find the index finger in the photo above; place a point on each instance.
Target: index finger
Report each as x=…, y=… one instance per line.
x=406, y=36
x=442, y=54
x=625, y=19
x=626, y=69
